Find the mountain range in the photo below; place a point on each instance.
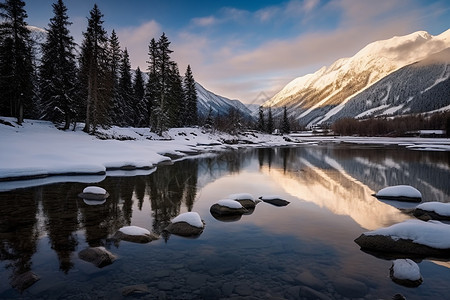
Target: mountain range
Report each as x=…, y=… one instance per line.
x=401, y=75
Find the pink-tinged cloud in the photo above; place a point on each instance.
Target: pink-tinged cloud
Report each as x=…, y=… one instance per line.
x=137, y=39
x=206, y=21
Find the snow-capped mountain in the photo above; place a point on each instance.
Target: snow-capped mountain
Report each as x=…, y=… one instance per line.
x=218, y=105
x=321, y=96
x=420, y=87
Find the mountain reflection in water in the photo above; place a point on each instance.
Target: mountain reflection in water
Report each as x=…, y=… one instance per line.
x=330, y=189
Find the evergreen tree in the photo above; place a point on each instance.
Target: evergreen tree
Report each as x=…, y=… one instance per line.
x=139, y=107
x=115, y=56
x=261, y=122
x=270, y=125
x=174, y=97
x=190, y=98
x=16, y=62
x=95, y=72
x=58, y=70
x=126, y=115
x=285, y=127
x=163, y=76
x=152, y=88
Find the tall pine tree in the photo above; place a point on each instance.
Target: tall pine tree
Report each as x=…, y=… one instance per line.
x=58, y=69
x=285, y=127
x=270, y=124
x=261, y=122
x=95, y=72
x=125, y=90
x=139, y=107
x=190, y=98
x=152, y=89
x=115, y=56
x=174, y=97
x=163, y=76
x=16, y=62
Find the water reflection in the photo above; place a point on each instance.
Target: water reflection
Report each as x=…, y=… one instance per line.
x=320, y=181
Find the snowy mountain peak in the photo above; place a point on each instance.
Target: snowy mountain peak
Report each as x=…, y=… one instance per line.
x=329, y=88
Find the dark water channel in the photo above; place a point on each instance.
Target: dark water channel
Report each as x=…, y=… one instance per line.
x=301, y=251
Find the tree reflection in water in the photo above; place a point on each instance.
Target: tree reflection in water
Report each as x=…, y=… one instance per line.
x=18, y=230
x=56, y=213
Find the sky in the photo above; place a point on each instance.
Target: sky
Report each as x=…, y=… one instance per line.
x=249, y=50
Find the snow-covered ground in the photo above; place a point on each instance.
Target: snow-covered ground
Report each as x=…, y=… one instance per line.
x=38, y=149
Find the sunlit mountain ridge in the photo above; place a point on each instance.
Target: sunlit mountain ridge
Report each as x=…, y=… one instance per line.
x=332, y=92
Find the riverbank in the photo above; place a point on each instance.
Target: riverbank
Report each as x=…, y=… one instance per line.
x=37, y=149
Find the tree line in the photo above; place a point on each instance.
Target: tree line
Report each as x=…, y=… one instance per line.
x=399, y=126
x=96, y=86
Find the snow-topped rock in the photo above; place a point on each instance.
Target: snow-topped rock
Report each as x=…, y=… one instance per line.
x=411, y=237
x=274, y=200
x=399, y=193
x=245, y=199
x=432, y=211
x=134, y=234
x=94, y=193
x=406, y=272
x=186, y=224
x=227, y=207
x=94, y=190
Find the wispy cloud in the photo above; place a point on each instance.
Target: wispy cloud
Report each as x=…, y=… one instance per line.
x=206, y=21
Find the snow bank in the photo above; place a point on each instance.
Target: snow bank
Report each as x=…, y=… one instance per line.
x=192, y=218
x=399, y=191
x=406, y=269
x=229, y=203
x=134, y=230
x=432, y=233
x=38, y=149
x=94, y=190
x=440, y=208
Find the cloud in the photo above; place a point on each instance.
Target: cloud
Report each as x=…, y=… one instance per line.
x=206, y=21
x=137, y=39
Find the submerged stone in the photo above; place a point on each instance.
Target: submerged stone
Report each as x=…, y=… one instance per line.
x=98, y=256
x=276, y=201
x=24, y=280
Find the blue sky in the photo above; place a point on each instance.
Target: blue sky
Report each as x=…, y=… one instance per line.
x=242, y=49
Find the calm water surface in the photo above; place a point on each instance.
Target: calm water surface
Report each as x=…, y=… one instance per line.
x=301, y=251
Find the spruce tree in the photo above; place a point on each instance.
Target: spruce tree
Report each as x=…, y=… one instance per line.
x=58, y=70
x=152, y=88
x=285, y=127
x=261, y=122
x=190, y=98
x=115, y=56
x=95, y=72
x=125, y=90
x=163, y=77
x=139, y=107
x=16, y=62
x=174, y=98
x=270, y=125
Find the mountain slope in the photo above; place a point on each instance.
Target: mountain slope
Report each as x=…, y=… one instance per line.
x=311, y=97
x=419, y=87
x=219, y=105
